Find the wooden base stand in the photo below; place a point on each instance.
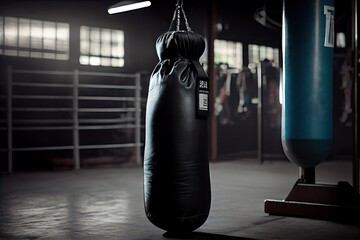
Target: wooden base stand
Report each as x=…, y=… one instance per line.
x=319, y=201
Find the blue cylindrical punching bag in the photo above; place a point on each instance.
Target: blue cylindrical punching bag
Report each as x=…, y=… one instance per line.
x=308, y=40
x=176, y=164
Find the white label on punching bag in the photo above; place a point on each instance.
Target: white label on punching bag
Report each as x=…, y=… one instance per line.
x=203, y=101
x=329, y=26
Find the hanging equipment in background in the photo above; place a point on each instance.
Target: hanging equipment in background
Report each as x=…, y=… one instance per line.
x=176, y=162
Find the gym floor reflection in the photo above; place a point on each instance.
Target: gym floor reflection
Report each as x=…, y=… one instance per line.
x=107, y=203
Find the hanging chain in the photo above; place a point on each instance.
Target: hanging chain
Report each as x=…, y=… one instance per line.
x=178, y=7
x=177, y=16
x=185, y=18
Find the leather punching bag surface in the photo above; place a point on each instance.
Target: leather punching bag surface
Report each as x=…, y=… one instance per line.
x=176, y=165
x=308, y=40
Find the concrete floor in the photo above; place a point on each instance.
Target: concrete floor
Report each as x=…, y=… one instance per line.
x=107, y=203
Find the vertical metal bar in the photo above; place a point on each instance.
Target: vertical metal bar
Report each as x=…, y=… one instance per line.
x=212, y=81
x=138, y=117
x=259, y=115
x=307, y=175
x=76, y=153
x=9, y=118
x=356, y=180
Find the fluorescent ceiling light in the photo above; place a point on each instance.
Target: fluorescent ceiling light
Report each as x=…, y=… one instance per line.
x=128, y=6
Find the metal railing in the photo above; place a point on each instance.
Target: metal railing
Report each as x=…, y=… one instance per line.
x=76, y=82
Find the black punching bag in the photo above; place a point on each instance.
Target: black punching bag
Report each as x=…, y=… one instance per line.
x=176, y=165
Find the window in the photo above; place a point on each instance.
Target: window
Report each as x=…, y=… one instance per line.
x=228, y=52
x=101, y=47
x=254, y=53
x=259, y=53
x=24, y=37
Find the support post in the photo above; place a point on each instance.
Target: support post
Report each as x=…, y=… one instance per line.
x=212, y=118
x=76, y=151
x=138, y=118
x=356, y=180
x=307, y=175
x=9, y=118
x=260, y=114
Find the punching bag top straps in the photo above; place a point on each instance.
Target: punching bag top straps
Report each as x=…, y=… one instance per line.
x=199, y=70
x=176, y=21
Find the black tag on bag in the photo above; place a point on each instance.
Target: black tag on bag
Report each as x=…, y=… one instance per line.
x=202, y=92
x=202, y=97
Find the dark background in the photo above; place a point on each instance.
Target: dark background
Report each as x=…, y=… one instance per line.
x=141, y=29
